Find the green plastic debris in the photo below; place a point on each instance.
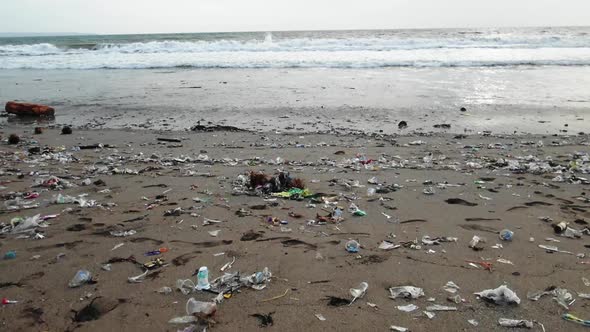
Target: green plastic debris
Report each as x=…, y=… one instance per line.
x=360, y=213
x=294, y=193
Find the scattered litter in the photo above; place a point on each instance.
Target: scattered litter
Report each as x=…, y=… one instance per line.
x=572, y=318
x=117, y=246
x=451, y=287
x=438, y=307
x=123, y=233
x=358, y=292
x=406, y=292
x=386, y=245
x=228, y=265
x=81, y=277
x=203, y=279
x=505, y=322
x=199, y=308
x=407, y=308
x=504, y=261
x=500, y=295
x=352, y=246
x=138, y=278
x=320, y=317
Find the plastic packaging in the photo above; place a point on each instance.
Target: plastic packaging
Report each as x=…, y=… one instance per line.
x=201, y=308
x=7, y=301
x=261, y=276
x=506, y=235
x=10, y=255
x=515, y=323
x=407, y=307
x=203, y=279
x=438, y=307
x=183, y=320
x=352, y=246
x=22, y=225
x=81, y=277
x=165, y=290
x=559, y=227
x=185, y=286
x=359, y=291
x=500, y=295
x=406, y=292
x=356, y=211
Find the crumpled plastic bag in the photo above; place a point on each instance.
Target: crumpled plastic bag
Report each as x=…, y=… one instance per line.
x=560, y=295
x=22, y=225
x=500, y=295
x=406, y=292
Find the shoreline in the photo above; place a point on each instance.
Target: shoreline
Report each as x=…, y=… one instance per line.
x=525, y=100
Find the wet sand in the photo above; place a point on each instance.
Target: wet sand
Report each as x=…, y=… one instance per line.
x=309, y=262
x=520, y=99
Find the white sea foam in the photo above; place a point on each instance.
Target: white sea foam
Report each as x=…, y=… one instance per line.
x=486, y=50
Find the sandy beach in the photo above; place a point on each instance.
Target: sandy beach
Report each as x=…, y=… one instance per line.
x=415, y=189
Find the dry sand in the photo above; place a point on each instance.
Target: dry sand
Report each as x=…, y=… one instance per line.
x=46, y=303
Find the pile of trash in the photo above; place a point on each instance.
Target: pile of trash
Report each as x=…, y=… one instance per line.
x=281, y=185
x=224, y=286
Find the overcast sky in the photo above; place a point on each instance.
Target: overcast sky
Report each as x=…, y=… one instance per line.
x=148, y=16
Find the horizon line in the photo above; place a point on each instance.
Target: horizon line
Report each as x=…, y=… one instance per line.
x=64, y=34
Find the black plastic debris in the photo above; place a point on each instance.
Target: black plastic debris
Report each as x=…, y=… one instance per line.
x=264, y=319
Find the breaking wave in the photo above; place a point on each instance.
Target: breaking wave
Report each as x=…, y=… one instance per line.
x=485, y=50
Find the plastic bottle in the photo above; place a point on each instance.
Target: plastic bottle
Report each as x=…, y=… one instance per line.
x=352, y=246
x=202, y=308
x=203, y=279
x=261, y=277
x=81, y=277
x=506, y=235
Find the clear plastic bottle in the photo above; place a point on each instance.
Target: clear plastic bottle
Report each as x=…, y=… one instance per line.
x=203, y=279
x=81, y=277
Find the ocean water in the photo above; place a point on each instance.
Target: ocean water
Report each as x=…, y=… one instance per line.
x=308, y=49
x=528, y=80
